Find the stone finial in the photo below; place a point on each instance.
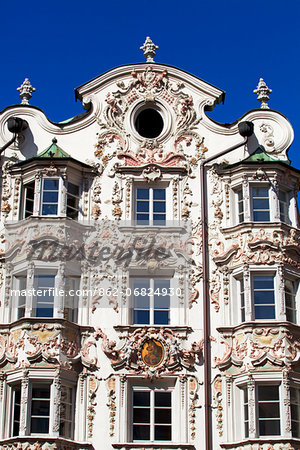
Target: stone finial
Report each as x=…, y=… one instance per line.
x=263, y=92
x=149, y=49
x=25, y=91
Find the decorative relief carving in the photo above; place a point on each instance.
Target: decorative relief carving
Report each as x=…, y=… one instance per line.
x=217, y=403
x=93, y=385
x=262, y=247
x=247, y=349
x=111, y=385
x=151, y=352
x=193, y=404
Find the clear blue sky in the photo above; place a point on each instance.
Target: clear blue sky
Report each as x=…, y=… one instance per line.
x=62, y=44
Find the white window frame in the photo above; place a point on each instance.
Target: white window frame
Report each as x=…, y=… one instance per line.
x=63, y=195
x=168, y=210
x=41, y=378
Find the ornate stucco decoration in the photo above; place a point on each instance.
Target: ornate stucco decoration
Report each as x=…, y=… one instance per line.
x=261, y=247
x=149, y=49
x=262, y=92
x=149, y=86
x=251, y=348
x=26, y=90
x=45, y=342
x=151, y=352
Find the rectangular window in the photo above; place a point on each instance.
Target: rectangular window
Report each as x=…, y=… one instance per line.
x=72, y=201
x=21, y=301
x=246, y=413
x=40, y=409
x=151, y=301
x=263, y=296
x=295, y=412
x=284, y=207
x=240, y=202
x=28, y=199
x=260, y=204
x=50, y=194
x=71, y=298
x=268, y=410
x=150, y=206
x=44, y=299
x=242, y=297
x=290, y=288
x=16, y=402
x=152, y=416
x=66, y=412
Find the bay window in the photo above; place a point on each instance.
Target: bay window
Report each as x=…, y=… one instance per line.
x=263, y=297
x=260, y=203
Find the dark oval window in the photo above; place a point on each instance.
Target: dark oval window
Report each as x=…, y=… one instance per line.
x=149, y=123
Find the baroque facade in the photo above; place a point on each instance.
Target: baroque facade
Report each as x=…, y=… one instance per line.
x=150, y=265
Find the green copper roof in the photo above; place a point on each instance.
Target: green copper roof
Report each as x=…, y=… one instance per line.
x=53, y=151
x=259, y=156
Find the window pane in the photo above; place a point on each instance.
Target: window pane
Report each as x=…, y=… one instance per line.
x=141, y=432
x=142, y=194
x=141, y=317
x=159, y=207
x=39, y=425
x=50, y=197
x=263, y=297
x=141, y=398
x=40, y=408
x=41, y=392
x=141, y=415
x=264, y=312
x=73, y=189
x=159, y=194
x=163, y=415
x=159, y=219
x=260, y=191
x=162, y=433
x=263, y=282
x=261, y=216
x=269, y=410
x=161, y=317
x=162, y=399
x=142, y=219
x=269, y=427
x=51, y=185
x=48, y=210
x=142, y=207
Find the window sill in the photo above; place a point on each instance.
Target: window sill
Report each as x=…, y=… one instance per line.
x=267, y=442
x=151, y=445
x=26, y=441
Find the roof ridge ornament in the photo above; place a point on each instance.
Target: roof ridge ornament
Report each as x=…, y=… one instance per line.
x=26, y=90
x=263, y=92
x=149, y=49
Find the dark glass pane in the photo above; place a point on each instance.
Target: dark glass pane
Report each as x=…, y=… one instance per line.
x=41, y=392
x=142, y=219
x=44, y=312
x=51, y=185
x=159, y=219
x=263, y=297
x=263, y=282
x=261, y=216
x=161, y=317
x=141, y=415
x=142, y=207
x=162, y=302
x=268, y=393
x=141, y=398
x=141, y=317
x=246, y=412
x=39, y=426
x=163, y=416
x=142, y=194
x=141, y=302
x=159, y=194
x=72, y=202
x=261, y=203
x=295, y=429
x=159, y=207
x=48, y=210
x=268, y=410
x=264, y=312
x=72, y=213
x=50, y=197
x=73, y=189
x=269, y=427
x=295, y=412
x=246, y=429
x=40, y=408
x=162, y=433
x=141, y=432
x=162, y=399
x=21, y=312
x=46, y=281
x=260, y=192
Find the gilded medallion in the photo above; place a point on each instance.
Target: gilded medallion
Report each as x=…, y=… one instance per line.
x=152, y=353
